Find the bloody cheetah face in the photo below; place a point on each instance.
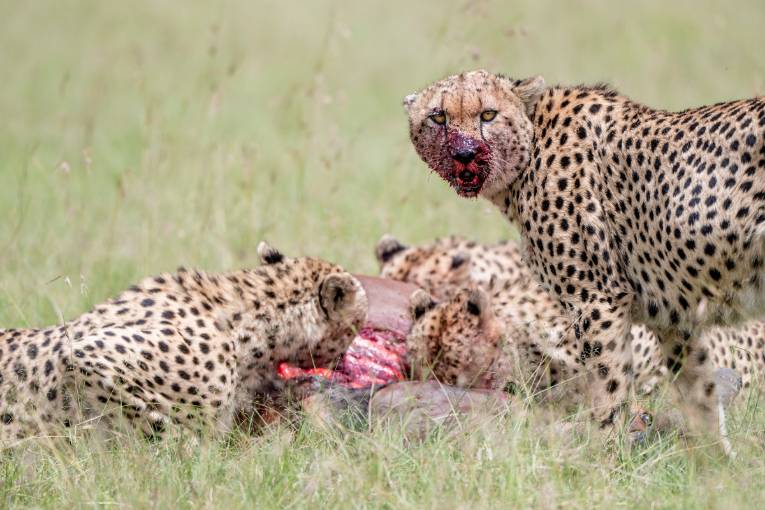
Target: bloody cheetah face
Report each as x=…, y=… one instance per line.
x=473, y=129
x=457, y=341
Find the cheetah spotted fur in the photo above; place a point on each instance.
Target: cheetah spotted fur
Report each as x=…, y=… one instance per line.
x=475, y=358
x=186, y=349
x=628, y=213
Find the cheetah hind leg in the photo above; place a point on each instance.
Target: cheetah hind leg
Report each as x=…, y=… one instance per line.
x=728, y=384
x=698, y=385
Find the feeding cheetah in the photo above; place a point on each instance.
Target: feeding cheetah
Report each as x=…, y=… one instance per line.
x=527, y=315
x=450, y=340
x=468, y=340
x=187, y=348
x=629, y=214
x=523, y=308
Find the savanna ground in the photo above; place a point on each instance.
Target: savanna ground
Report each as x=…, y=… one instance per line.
x=137, y=136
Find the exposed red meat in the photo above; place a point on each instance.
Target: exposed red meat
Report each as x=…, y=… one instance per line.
x=375, y=358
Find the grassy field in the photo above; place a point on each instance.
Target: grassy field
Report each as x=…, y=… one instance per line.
x=138, y=136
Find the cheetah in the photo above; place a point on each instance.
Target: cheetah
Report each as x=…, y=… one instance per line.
x=475, y=339
x=499, y=270
x=187, y=350
x=528, y=315
x=628, y=213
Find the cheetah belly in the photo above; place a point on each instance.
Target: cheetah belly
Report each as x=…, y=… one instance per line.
x=708, y=275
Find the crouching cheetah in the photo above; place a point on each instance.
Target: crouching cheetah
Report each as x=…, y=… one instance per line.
x=469, y=340
x=187, y=348
x=629, y=214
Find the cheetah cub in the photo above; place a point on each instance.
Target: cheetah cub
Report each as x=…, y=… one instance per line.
x=189, y=348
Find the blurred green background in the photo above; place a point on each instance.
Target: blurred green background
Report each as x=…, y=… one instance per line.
x=137, y=136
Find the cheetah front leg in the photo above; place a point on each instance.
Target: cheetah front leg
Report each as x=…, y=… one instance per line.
x=602, y=333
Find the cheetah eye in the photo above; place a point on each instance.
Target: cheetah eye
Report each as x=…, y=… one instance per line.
x=488, y=115
x=438, y=117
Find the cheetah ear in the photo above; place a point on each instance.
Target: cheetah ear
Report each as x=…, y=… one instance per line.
x=459, y=260
x=387, y=247
x=477, y=302
x=341, y=295
x=409, y=101
x=420, y=302
x=529, y=91
x=268, y=254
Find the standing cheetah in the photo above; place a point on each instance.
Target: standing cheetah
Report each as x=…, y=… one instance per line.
x=187, y=348
x=629, y=214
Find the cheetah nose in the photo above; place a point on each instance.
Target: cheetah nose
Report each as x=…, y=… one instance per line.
x=464, y=156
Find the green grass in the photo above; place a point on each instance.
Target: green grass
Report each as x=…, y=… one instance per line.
x=138, y=136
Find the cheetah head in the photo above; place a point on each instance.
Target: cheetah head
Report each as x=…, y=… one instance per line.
x=325, y=307
x=438, y=268
x=474, y=130
x=343, y=305
x=457, y=341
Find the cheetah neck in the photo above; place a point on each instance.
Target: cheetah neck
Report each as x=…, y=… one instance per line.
x=263, y=313
x=599, y=130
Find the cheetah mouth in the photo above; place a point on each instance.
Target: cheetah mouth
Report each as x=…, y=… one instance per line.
x=468, y=179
